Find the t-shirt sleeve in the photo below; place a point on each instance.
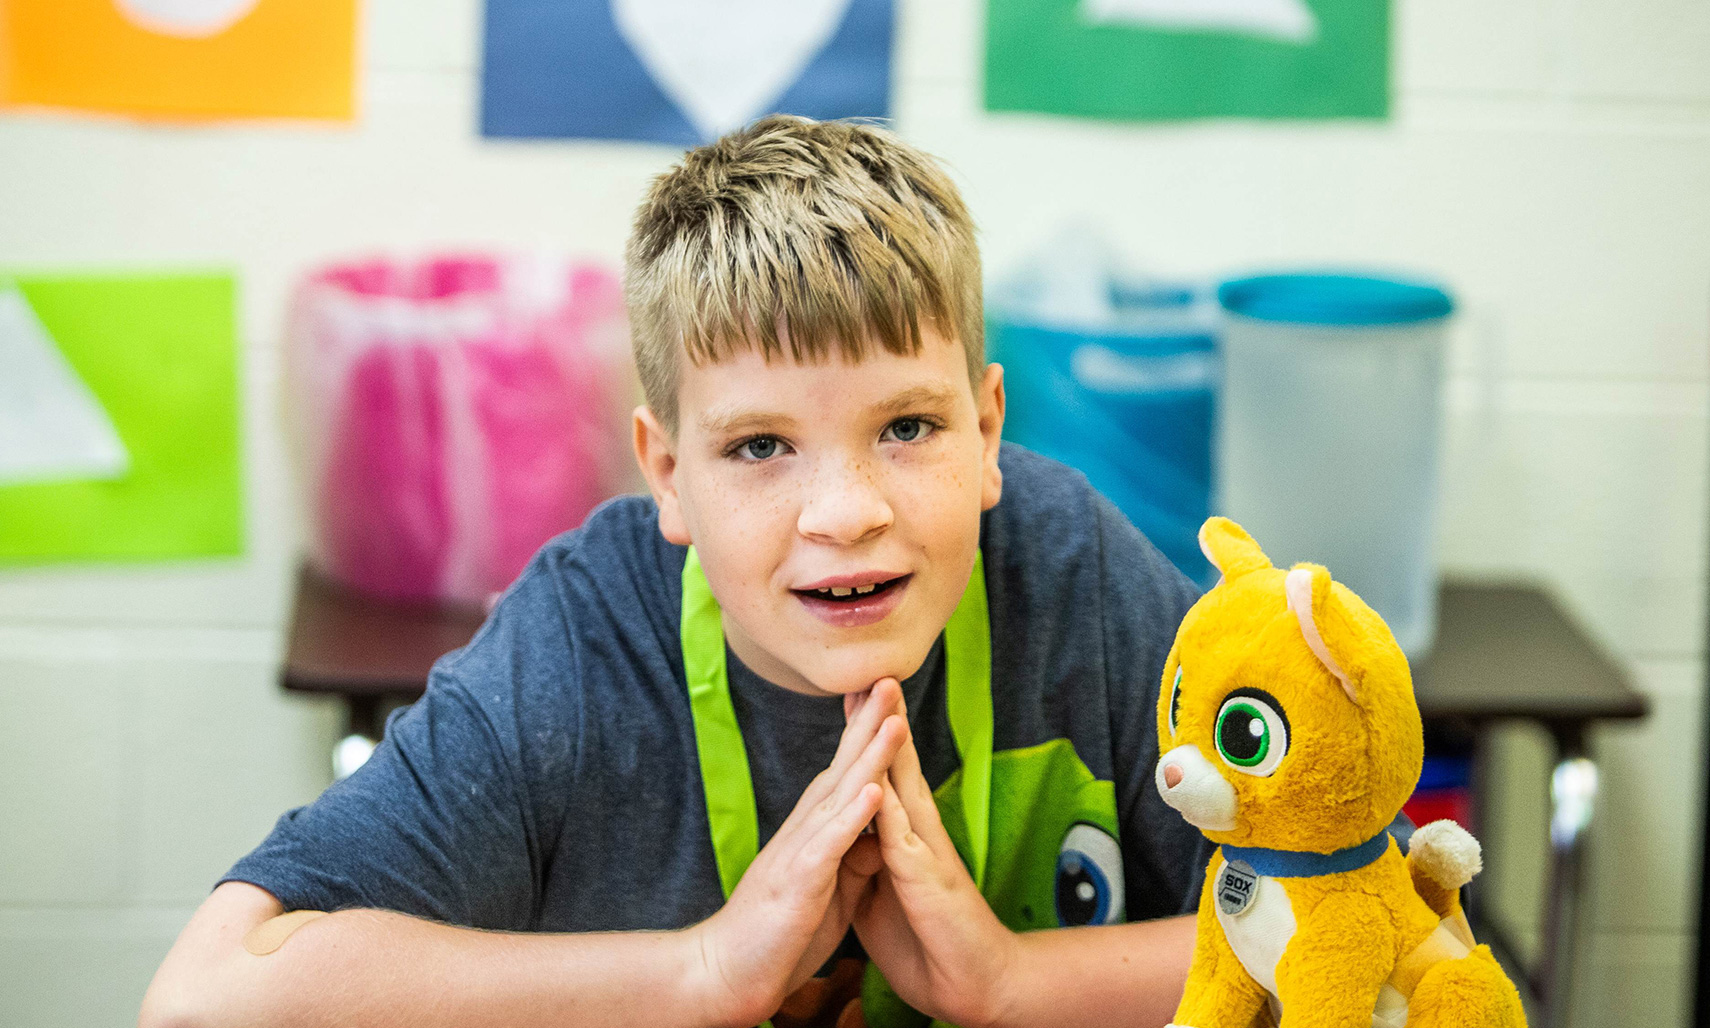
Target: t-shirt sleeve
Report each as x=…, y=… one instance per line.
x=1145, y=598
x=439, y=822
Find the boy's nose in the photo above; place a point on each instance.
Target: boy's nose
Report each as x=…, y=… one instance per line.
x=845, y=506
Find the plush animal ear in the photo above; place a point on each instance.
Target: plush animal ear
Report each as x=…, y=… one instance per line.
x=1230, y=549
x=1325, y=625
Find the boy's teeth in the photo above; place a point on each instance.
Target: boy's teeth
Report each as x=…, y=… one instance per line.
x=844, y=592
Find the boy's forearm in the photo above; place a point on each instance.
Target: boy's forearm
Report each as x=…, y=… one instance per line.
x=1129, y=974
x=383, y=969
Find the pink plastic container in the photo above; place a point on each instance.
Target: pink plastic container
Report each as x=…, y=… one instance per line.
x=454, y=414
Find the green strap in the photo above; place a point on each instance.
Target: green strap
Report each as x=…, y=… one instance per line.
x=731, y=810
x=718, y=739
x=968, y=666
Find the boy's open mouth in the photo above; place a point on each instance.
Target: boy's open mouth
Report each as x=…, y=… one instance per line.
x=851, y=594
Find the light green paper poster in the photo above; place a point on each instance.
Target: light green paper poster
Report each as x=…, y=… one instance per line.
x=1161, y=60
x=160, y=354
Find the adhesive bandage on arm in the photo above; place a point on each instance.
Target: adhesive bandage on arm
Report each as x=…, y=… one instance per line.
x=271, y=934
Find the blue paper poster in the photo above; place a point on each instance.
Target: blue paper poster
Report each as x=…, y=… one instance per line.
x=679, y=71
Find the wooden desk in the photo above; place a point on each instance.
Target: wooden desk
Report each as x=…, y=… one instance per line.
x=1502, y=653
x=1510, y=653
x=368, y=651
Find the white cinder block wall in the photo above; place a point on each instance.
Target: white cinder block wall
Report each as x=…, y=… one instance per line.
x=1550, y=159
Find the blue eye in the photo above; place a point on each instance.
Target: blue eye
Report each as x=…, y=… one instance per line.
x=1089, y=888
x=910, y=430
x=759, y=448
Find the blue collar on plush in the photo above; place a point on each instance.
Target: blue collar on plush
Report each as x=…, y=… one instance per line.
x=1294, y=864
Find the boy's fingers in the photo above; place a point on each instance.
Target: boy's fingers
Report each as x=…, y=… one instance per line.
x=901, y=846
x=863, y=724
x=814, y=817
x=867, y=711
x=871, y=764
x=855, y=877
x=912, y=790
x=901, y=700
x=908, y=774
x=837, y=835
x=892, y=818
x=864, y=776
x=872, y=708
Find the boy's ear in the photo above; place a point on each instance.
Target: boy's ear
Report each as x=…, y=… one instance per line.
x=990, y=402
x=656, y=452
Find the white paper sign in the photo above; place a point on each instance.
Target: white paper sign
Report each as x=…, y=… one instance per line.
x=193, y=18
x=724, y=61
x=1287, y=20
x=52, y=428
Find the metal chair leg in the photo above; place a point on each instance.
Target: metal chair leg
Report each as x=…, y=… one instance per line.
x=1573, y=802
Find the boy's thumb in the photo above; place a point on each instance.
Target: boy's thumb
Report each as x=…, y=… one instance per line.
x=902, y=848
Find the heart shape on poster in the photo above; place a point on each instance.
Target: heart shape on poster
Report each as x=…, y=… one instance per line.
x=196, y=19
x=725, y=61
x=1290, y=21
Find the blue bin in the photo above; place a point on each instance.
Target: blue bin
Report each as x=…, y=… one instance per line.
x=1129, y=398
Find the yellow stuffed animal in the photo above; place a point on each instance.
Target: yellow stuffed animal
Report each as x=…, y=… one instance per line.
x=1291, y=740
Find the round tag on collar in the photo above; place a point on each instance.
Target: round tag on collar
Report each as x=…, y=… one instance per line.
x=1237, y=884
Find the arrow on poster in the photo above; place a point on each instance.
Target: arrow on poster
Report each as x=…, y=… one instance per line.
x=51, y=426
x=724, y=63
x=1288, y=20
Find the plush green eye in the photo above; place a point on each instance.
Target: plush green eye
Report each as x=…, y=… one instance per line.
x=1176, y=700
x=1252, y=732
x=1242, y=735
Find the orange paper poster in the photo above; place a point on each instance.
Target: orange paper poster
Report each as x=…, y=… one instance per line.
x=181, y=59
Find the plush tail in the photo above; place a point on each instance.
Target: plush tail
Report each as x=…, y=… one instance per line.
x=1442, y=856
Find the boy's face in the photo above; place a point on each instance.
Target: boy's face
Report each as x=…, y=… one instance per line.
x=835, y=506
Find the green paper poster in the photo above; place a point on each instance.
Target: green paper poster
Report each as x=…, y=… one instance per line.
x=159, y=353
x=1159, y=60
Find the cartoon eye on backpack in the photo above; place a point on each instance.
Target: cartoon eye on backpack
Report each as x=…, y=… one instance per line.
x=1291, y=738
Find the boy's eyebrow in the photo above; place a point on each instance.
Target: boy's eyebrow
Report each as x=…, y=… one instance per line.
x=935, y=397
x=723, y=420
x=730, y=419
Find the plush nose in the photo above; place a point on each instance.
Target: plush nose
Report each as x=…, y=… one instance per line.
x=1188, y=782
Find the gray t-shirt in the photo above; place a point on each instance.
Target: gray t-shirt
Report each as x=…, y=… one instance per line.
x=548, y=779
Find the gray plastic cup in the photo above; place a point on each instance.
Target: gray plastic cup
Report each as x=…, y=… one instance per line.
x=1328, y=436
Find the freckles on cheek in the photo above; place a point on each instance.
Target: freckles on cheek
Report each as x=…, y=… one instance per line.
x=755, y=516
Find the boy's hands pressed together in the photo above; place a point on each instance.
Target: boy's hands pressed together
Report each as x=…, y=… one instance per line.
x=925, y=922
x=794, y=904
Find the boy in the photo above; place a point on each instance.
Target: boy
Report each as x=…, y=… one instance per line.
x=839, y=571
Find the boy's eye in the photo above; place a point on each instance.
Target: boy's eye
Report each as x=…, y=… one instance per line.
x=759, y=448
x=909, y=430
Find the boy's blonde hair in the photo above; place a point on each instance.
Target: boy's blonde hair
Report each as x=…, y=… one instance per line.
x=801, y=238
